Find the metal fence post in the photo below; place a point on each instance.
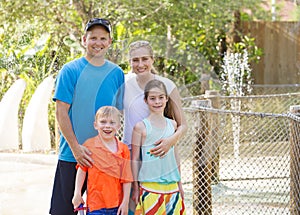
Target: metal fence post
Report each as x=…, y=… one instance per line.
x=202, y=197
x=295, y=163
x=214, y=97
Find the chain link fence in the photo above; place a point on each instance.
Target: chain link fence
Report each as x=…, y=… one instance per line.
x=240, y=155
x=268, y=89
x=200, y=86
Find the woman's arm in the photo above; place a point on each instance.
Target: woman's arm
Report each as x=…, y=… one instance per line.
x=164, y=145
x=77, y=198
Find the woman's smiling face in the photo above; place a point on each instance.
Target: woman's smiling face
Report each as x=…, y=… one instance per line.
x=141, y=60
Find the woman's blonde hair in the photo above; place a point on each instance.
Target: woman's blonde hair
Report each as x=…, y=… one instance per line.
x=142, y=44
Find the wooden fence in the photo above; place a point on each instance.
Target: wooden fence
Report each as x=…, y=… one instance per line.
x=280, y=42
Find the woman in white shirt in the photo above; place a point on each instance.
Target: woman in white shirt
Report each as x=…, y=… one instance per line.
x=141, y=58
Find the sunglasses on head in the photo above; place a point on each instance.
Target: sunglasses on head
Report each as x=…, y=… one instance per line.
x=139, y=43
x=101, y=21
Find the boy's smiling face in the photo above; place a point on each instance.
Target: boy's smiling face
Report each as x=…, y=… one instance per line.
x=107, y=126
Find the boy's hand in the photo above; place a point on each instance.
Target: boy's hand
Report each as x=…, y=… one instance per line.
x=77, y=200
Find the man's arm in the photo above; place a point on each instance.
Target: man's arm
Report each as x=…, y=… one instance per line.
x=81, y=154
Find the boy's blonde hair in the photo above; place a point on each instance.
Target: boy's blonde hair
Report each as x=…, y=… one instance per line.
x=108, y=111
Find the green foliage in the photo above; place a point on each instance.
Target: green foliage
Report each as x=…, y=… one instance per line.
x=296, y=13
x=189, y=37
x=31, y=57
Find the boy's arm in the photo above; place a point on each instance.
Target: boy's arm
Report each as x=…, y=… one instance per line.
x=77, y=198
x=123, y=209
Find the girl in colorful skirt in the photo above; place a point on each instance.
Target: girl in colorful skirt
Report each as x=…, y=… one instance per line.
x=157, y=188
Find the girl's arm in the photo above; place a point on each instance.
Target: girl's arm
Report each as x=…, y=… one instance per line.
x=77, y=198
x=137, y=138
x=164, y=145
x=177, y=157
x=123, y=209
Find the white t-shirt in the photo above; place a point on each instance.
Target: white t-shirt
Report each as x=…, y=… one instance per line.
x=135, y=108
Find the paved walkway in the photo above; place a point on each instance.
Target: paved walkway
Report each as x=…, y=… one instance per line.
x=26, y=183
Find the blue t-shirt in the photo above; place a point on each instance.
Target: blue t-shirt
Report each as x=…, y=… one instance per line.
x=86, y=88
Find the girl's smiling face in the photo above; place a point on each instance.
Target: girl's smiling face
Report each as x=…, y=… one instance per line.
x=156, y=100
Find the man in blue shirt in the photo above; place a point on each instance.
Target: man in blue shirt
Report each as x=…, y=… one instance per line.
x=82, y=86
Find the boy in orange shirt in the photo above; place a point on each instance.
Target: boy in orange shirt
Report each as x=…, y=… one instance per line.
x=109, y=179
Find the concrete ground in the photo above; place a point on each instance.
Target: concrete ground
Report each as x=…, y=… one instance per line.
x=26, y=183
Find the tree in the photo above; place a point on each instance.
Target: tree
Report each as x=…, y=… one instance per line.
x=189, y=37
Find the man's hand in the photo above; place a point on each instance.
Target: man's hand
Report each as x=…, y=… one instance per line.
x=83, y=156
